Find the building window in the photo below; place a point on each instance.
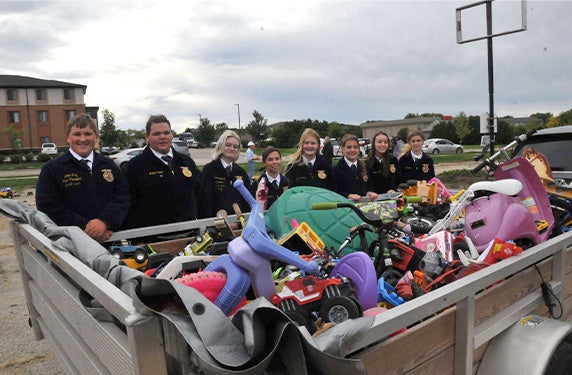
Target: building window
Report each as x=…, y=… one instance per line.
x=43, y=116
x=69, y=114
x=12, y=94
x=68, y=94
x=14, y=117
x=41, y=94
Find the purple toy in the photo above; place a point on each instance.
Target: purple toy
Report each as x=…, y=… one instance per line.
x=359, y=268
x=250, y=254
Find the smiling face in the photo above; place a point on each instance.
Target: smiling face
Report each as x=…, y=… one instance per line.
x=350, y=149
x=272, y=163
x=381, y=144
x=230, y=149
x=310, y=147
x=82, y=140
x=160, y=137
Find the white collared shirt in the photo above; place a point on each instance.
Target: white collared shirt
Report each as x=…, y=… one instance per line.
x=159, y=155
x=349, y=163
x=89, y=158
x=306, y=161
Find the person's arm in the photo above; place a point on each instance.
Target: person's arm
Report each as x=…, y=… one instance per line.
x=50, y=200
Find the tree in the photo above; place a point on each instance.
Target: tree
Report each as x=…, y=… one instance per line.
x=15, y=137
x=543, y=117
x=444, y=129
x=258, y=128
x=205, y=133
x=108, y=135
x=566, y=117
x=462, y=126
x=554, y=122
x=220, y=128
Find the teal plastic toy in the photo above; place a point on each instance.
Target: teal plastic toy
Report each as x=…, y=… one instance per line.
x=333, y=226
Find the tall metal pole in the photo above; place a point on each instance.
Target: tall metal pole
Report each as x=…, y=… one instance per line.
x=238, y=109
x=489, y=12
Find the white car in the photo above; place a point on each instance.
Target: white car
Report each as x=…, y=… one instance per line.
x=180, y=146
x=441, y=146
x=49, y=148
x=122, y=157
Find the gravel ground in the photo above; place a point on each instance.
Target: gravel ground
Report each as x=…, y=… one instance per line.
x=20, y=353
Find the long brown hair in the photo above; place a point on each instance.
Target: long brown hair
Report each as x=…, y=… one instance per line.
x=385, y=157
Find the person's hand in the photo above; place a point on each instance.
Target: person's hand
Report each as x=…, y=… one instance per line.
x=372, y=195
x=97, y=229
x=354, y=197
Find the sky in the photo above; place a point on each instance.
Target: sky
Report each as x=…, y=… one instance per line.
x=346, y=61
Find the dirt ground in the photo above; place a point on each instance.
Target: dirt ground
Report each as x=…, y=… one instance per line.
x=20, y=353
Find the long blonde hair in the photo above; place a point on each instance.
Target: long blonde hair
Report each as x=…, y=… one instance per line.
x=297, y=156
x=222, y=141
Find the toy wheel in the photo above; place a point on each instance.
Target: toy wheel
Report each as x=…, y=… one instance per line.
x=420, y=225
x=300, y=320
x=339, y=309
x=117, y=253
x=140, y=255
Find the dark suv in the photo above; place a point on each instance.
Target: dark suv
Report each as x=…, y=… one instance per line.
x=556, y=145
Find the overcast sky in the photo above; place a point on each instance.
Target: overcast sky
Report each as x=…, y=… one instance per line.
x=345, y=61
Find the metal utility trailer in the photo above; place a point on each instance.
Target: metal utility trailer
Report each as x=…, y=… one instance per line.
x=449, y=330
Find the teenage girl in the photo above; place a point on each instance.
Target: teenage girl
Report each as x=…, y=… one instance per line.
x=274, y=181
x=350, y=172
x=414, y=164
x=382, y=166
x=220, y=174
x=307, y=166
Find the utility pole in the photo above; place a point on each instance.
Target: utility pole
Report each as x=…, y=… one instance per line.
x=489, y=37
x=238, y=109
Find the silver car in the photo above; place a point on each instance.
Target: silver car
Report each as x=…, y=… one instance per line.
x=441, y=146
x=122, y=157
x=180, y=146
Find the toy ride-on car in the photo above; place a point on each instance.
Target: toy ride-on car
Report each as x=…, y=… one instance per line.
x=134, y=256
x=301, y=298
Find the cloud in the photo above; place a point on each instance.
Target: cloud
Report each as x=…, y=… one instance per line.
x=345, y=61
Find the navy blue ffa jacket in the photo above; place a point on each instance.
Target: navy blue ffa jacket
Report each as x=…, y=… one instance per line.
x=410, y=169
x=381, y=179
x=348, y=181
x=321, y=176
x=274, y=192
x=160, y=195
x=219, y=193
x=70, y=194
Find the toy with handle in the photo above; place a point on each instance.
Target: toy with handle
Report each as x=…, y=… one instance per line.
x=250, y=254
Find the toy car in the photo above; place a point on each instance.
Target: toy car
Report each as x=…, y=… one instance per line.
x=302, y=297
x=6, y=192
x=125, y=250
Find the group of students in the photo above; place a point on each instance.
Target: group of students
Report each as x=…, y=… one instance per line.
x=160, y=186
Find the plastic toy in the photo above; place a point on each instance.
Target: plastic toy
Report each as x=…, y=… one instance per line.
x=301, y=297
x=387, y=293
x=6, y=192
x=248, y=259
x=125, y=250
x=359, y=268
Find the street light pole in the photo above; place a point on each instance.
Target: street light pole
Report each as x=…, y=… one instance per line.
x=238, y=109
x=200, y=118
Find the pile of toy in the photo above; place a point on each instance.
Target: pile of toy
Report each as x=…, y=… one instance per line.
x=410, y=243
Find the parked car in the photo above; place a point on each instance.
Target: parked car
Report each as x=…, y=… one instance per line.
x=180, y=146
x=364, y=146
x=554, y=143
x=192, y=143
x=109, y=150
x=441, y=146
x=124, y=156
x=49, y=148
x=335, y=144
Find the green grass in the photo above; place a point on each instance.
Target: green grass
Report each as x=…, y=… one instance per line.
x=19, y=184
x=19, y=166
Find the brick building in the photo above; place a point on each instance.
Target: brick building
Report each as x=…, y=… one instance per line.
x=40, y=108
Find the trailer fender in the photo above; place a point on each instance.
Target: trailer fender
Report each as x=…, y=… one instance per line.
x=527, y=347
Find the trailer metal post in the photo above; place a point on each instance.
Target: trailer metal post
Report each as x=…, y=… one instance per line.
x=464, y=333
